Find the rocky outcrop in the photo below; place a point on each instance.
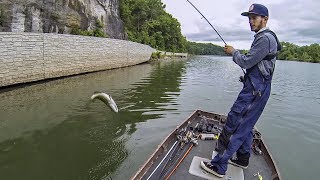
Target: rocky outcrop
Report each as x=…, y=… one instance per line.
x=61, y=16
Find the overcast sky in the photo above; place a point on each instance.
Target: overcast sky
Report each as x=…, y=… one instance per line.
x=295, y=21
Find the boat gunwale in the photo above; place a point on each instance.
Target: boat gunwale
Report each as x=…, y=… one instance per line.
x=276, y=175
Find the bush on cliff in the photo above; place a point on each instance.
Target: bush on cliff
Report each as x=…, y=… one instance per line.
x=97, y=32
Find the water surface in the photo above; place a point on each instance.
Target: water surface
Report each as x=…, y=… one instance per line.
x=53, y=130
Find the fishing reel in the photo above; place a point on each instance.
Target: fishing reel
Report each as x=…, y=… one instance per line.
x=241, y=79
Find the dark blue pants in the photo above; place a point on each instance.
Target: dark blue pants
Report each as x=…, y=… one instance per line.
x=237, y=135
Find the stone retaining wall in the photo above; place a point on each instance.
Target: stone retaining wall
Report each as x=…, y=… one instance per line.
x=27, y=57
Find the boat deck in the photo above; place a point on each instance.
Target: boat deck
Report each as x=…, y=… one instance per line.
x=205, y=148
x=164, y=165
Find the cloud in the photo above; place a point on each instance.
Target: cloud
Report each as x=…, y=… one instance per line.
x=226, y=33
x=300, y=22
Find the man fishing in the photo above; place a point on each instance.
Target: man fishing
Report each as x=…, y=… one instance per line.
x=236, y=136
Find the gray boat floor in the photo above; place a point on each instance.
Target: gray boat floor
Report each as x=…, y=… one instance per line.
x=204, y=149
x=233, y=172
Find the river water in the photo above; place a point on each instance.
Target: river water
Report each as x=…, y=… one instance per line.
x=52, y=130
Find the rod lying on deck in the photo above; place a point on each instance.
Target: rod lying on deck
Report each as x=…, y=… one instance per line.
x=184, y=156
x=162, y=161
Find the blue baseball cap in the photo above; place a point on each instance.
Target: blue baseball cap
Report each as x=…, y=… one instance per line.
x=257, y=9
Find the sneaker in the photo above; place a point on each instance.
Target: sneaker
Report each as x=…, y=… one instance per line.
x=237, y=162
x=207, y=166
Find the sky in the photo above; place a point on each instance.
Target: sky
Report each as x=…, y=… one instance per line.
x=294, y=21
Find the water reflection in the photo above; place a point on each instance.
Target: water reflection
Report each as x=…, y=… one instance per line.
x=53, y=131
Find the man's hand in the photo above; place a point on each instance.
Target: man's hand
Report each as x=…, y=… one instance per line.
x=228, y=49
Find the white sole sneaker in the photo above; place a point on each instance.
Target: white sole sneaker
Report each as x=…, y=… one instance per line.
x=238, y=165
x=203, y=166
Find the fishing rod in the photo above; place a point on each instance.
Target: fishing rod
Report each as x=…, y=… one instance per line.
x=212, y=27
x=208, y=22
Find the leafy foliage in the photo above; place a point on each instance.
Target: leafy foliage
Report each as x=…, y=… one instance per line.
x=305, y=53
x=147, y=22
x=157, y=55
x=97, y=32
x=204, y=49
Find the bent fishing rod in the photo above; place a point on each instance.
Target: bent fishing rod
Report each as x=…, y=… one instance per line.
x=207, y=21
x=212, y=27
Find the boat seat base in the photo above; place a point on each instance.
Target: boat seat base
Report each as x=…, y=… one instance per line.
x=233, y=172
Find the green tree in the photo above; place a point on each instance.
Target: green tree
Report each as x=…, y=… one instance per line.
x=204, y=49
x=147, y=22
x=305, y=53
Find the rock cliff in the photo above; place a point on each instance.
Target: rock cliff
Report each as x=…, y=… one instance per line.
x=61, y=16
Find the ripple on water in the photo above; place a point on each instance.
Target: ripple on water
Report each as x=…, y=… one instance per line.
x=112, y=156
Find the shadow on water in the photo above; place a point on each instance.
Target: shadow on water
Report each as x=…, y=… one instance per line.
x=53, y=131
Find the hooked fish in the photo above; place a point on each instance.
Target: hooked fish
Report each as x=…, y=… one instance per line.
x=107, y=99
